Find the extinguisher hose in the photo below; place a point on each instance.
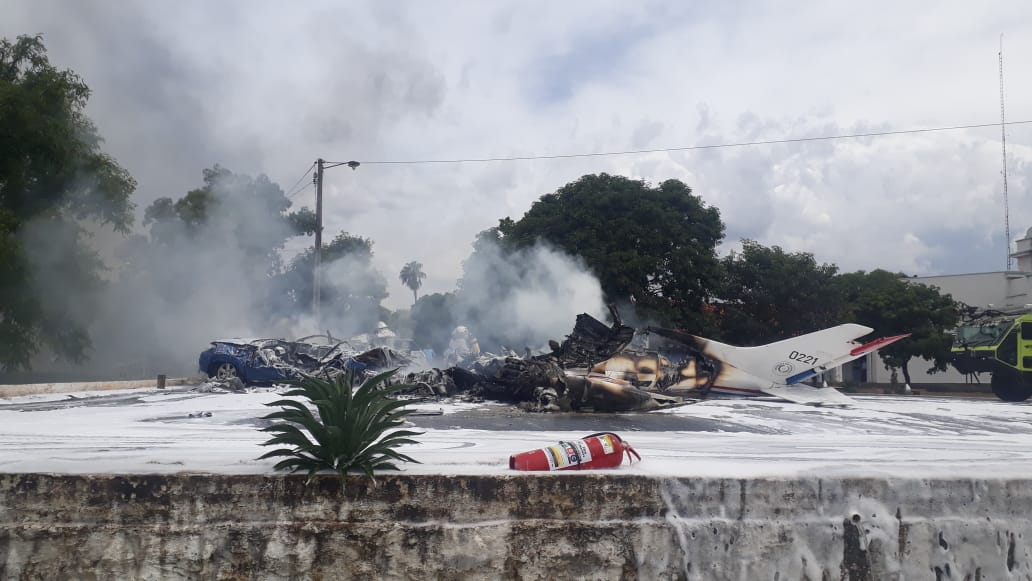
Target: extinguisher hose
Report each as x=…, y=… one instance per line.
x=627, y=447
x=597, y=434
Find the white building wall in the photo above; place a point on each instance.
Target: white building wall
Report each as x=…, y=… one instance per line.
x=919, y=374
x=1024, y=252
x=1000, y=289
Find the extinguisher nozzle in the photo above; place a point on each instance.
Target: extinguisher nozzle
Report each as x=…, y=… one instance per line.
x=630, y=451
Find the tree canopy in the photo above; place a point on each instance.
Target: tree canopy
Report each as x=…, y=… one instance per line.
x=433, y=320
x=652, y=246
x=53, y=177
x=769, y=294
x=251, y=213
x=892, y=306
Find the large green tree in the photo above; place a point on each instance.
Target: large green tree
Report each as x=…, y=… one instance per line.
x=54, y=177
x=651, y=246
x=433, y=319
x=250, y=212
x=892, y=306
x=769, y=294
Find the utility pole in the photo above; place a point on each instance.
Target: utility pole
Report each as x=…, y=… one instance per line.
x=320, y=166
x=316, y=272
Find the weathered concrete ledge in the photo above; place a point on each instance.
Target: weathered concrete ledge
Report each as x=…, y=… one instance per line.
x=580, y=526
x=65, y=387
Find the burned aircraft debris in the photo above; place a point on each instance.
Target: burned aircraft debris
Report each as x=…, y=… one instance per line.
x=592, y=341
x=616, y=368
x=561, y=380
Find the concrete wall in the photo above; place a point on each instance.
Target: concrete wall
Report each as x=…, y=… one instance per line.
x=577, y=526
x=73, y=387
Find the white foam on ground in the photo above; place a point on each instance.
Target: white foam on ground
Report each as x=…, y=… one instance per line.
x=171, y=431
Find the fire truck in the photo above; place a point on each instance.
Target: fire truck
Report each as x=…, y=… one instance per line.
x=998, y=342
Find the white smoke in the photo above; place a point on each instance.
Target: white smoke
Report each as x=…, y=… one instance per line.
x=524, y=298
x=351, y=296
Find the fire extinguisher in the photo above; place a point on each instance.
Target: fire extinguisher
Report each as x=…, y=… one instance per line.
x=601, y=450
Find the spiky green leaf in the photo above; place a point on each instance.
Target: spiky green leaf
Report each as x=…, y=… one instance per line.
x=351, y=428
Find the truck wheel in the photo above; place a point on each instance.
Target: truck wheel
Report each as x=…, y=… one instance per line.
x=1010, y=384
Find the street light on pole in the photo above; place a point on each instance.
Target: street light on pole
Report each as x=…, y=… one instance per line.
x=320, y=166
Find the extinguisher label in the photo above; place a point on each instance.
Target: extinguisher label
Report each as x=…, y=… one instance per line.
x=557, y=457
x=607, y=444
x=583, y=451
x=566, y=454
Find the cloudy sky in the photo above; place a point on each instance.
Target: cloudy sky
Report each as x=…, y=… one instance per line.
x=268, y=87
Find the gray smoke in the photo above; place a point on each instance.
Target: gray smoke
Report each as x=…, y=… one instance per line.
x=171, y=291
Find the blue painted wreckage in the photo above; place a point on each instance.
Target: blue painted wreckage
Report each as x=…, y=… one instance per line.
x=271, y=361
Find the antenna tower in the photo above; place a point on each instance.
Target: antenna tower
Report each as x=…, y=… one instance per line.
x=1003, y=140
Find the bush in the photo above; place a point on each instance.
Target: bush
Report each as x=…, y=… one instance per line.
x=349, y=432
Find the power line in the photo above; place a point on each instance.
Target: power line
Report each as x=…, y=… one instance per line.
x=291, y=193
x=300, y=191
x=688, y=147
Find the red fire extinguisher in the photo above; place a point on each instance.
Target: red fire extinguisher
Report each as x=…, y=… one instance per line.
x=601, y=450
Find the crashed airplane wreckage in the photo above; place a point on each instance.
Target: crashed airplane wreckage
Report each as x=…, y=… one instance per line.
x=598, y=367
x=674, y=362
x=616, y=368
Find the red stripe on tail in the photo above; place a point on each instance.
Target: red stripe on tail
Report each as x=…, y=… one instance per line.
x=877, y=344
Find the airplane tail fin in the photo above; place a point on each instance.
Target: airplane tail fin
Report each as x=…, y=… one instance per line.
x=793, y=360
x=855, y=353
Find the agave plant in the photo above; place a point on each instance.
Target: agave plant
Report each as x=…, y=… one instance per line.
x=350, y=431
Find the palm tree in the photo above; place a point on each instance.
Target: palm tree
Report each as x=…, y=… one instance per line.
x=412, y=276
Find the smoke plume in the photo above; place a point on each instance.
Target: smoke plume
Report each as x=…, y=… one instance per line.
x=524, y=298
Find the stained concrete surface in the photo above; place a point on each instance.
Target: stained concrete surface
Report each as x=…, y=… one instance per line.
x=576, y=526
